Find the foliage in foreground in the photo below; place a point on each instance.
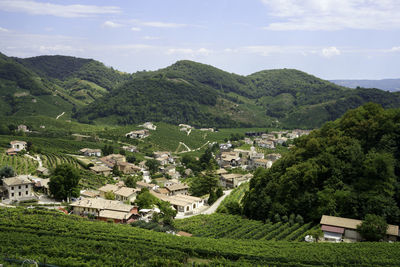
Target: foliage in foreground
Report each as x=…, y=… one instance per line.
x=66, y=240
x=348, y=168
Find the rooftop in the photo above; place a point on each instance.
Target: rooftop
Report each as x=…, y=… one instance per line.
x=18, y=180
x=102, y=204
x=352, y=224
x=176, y=187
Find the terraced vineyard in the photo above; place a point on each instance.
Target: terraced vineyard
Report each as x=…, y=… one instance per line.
x=21, y=164
x=51, y=160
x=67, y=240
x=235, y=227
x=235, y=196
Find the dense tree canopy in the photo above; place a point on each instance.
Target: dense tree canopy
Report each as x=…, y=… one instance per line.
x=348, y=168
x=373, y=228
x=64, y=182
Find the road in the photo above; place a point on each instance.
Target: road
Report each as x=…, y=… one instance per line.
x=207, y=210
x=216, y=204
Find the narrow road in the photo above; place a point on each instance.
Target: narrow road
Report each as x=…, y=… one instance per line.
x=38, y=159
x=211, y=209
x=216, y=204
x=60, y=115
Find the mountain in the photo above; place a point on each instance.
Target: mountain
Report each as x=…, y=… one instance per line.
x=191, y=92
x=392, y=85
x=185, y=92
x=50, y=85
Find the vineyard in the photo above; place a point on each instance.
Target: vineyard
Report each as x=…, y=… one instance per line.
x=235, y=227
x=235, y=196
x=20, y=163
x=51, y=160
x=67, y=240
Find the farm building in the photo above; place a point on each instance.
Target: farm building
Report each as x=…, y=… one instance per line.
x=338, y=228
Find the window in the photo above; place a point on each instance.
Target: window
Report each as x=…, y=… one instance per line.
x=12, y=194
x=12, y=187
x=26, y=193
x=19, y=193
x=19, y=187
x=26, y=186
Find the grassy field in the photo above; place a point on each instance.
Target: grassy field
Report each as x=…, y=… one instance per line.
x=67, y=240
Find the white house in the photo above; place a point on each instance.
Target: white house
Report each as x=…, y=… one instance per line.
x=19, y=187
x=91, y=152
x=18, y=145
x=138, y=134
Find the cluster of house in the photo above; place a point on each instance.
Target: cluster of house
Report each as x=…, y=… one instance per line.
x=247, y=159
x=122, y=209
x=271, y=140
x=232, y=180
x=337, y=229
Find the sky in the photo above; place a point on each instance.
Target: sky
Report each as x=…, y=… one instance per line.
x=331, y=39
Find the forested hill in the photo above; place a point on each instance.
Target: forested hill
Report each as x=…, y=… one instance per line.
x=282, y=98
x=65, y=67
x=50, y=85
x=186, y=91
x=348, y=168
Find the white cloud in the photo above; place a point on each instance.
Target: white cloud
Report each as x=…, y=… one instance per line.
x=329, y=15
x=4, y=29
x=59, y=49
x=66, y=11
x=330, y=52
x=159, y=24
x=111, y=24
x=395, y=49
x=136, y=29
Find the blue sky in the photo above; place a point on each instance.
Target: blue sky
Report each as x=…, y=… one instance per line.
x=332, y=39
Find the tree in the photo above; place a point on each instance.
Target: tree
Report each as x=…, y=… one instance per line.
x=110, y=195
x=212, y=198
x=204, y=184
x=64, y=182
x=6, y=171
x=145, y=200
x=167, y=212
x=130, y=181
x=116, y=171
x=107, y=150
x=373, y=228
x=131, y=159
x=153, y=165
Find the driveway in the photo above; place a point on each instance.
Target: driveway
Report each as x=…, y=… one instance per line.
x=207, y=209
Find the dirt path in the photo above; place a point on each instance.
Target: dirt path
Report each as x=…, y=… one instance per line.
x=60, y=115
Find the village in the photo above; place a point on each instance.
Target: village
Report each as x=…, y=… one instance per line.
x=165, y=176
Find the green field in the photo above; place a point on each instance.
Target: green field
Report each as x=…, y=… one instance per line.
x=67, y=240
x=235, y=227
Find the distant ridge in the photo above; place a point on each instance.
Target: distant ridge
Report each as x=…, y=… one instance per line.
x=392, y=85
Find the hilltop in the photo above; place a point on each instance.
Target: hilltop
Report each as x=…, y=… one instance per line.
x=185, y=92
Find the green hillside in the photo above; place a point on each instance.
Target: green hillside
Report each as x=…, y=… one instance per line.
x=185, y=92
x=67, y=240
x=348, y=168
x=206, y=96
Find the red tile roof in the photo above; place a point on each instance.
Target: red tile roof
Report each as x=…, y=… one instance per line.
x=332, y=229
